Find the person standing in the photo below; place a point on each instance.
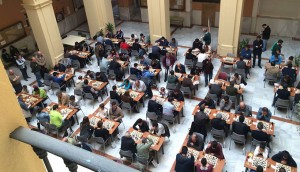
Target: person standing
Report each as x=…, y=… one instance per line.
x=208, y=70
x=15, y=81
x=99, y=52
x=22, y=66
x=257, y=50
x=36, y=70
x=266, y=32
x=206, y=37
x=41, y=60
x=168, y=62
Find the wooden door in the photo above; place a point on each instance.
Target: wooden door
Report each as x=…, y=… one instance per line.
x=208, y=13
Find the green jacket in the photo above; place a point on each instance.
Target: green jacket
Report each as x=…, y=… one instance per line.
x=207, y=38
x=43, y=93
x=172, y=79
x=56, y=118
x=144, y=149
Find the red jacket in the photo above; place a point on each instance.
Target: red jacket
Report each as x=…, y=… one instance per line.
x=172, y=60
x=125, y=46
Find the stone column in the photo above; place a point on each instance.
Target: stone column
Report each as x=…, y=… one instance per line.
x=98, y=13
x=159, y=19
x=45, y=29
x=254, y=16
x=230, y=26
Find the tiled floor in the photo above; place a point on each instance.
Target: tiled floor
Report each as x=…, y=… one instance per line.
x=286, y=135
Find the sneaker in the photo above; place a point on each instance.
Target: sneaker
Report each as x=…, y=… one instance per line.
x=259, y=66
x=98, y=67
x=154, y=163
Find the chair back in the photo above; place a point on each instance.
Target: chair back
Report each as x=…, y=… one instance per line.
x=233, y=100
x=88, y=95
x=171, y=86
x=55, y=85
x=47, y=76
x=188, y=62
x=141, y=160
x=145, y=80
x=186, y=90
x=240, y=72
x=75, y=64
x=133, y=77
x=282, y=103
x=124, y=51
x=168, y=118
x=214, y=97
x=126, y=105
x=151, y=115
x=108, y=48
x=237, y=138
x=217, y=133
x=81, y=139
x=47, y=82
x=115, y=100
x=199, y=65
x=78, y=92
x=99, y=140
x=134, y=53
x=256, y=142
x=199, y=135
x=127, y=154
x=104, y=70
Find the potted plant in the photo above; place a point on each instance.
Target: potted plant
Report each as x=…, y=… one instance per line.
x=243, y=43
x=109, y=28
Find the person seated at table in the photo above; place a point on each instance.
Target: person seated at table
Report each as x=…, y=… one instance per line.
x=7, y=58
x=239, y=127
x=272, y=70
x=153, y=106
x=126, y=98
x=128, y=144
x=246, y=53
x=100, y=76
x=142, y=38
x=195, y=70
x=63, y=98
x=276, y=58
x=145, y=61
x=42, y=117
x=133, y=37
x=79, y=83
x=187, y=82
x=78, y=46
x=264, y=114
x=183, y=163
x=291, y=60
x=180, y=68
x=238, y=79
x=172, y=78
x=108, y=41
x=102, y=111
x=114, y=95
x=125, y=85
x=216, y=88
x=25, y=89
x=72, y=102
x=143, y=150
x=90, y=74
x=173, y=43
x=176, y=94
x=125, y=46
x=163, y=51
x=215, y=149
x=135, y=71
x=259, y=168
x=89, y=89
x=219, y=123
x=190, y=56
x=162, y=41
x=113, y=53
x=243, y=109
x=115, y=112
x=207, y=102
x=139, y=86
x=156, y=51
x=198, y=128
x=40, y=92
x=283, y=94
x=204, y=166
x=285, y=158
x=137, y=46
x=195, y=142
x=163, y=92
x=70, y=70
x=147, y=74
x=262, y=151
x=141, y=125
x=117, y=68
x=155, y=64
x=86, y=129
x=289, y=71
x=241, y=64
x=100, y=38
x=55, y=117
x=99, y=131
x=60, y=80
x=26, y=110
x=168, y=107
x=197, y=44
x=286, y=80
x=119, y=34
x=225, y=104
x=260, y=135
x=200, y=117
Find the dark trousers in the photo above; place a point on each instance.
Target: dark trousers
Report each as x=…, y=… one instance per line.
x=17, y=87
x=207, y=77
x=167, y=73
x=24, y=73
x=259, y=58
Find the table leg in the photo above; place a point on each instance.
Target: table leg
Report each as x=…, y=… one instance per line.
x=76, y=119
x=162, y=149
x=156, y=154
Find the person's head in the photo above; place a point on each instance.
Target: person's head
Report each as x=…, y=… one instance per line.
x=127, y=93
x=76, y=43
x=132, y=35
x=170, y=99
x=172, y=72
x=231, y=83
x=207, y=99
x=281, y=169
x=265, y=111
x=197, y=40
x=147, y=68
x=24, y=87
x=137, y=83
x=155, y=124
x=173, y=40
x=285, y=86
x=54, y=107
x=259, y=168
x=184, y=150
x=260, y=125
x=285, y=155
x=162, y=38
x=226, y=99
x=236, y=75
x=202, y=108
x=247, y=47
x=219, y=116
x=54, y=74
x=127, y=134
x=39, y=110
x=11, y=72
x=114, y=105
x=194, y=138
x=290, y=65
x=242, y=105
x=101, y=106
x=262, y=147
x=99, y=124
x=86, y=45
x=273, y=63
x=135, y=65
x=141, y=35
x=190, y=50
x=241, y=118
x=59, y=94
x=291, y=58
x=214, y=144
x=176, y=91
x=136, y=40
x=241, y=58
x=204, y=29
x=85, y=120
x=72, y=98
x=36, y=89
x=112, y=51
x=178, y=64
x=264, y=25
x=86, y=82
x=144, y=140
x=280, y=42
x=203, y=161
x=139, y=121
x=258, y=37
x=114, y=88
x=33, y=59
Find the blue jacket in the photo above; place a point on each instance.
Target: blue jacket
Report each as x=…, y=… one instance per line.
x=277, y=61
x=266, y=118
x=147, y=74
x=59, y=80
x=246, y=53
x=126, y=87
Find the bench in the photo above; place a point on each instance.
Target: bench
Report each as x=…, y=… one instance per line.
x=176, y=21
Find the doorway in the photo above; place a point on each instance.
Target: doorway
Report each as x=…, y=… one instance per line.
x=209, y=14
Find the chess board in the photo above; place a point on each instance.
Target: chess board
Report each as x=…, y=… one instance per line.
x=24, y=96
x=134, y=94
x=94, y=120
x=266, y=126
x=225, y=116
x=121, y=91
x=30, y=100
x=278, y=166
x=65, y=112
x=160, y=100
x=247, y=121
x=228, y=59
x=256, y=161
x=207, y=111
x=246, y=61
x=152, y=70
x=193, y=152
x=97, y=84
x=176, y=104
x=178, y=75
x=154, y=139
x=237, y=86
x=108, y=124
x=136, y=135
x=211, y=159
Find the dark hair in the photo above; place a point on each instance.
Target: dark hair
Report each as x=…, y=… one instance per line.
x=24, y=86
x=85, y=120
x=264, y=24
x=272, y=63
x=176, y=90
x=114, y=87
x=259, y=168
x=170, y=99
x=280, y=41
x=291, y=58
x=262, y=145
x=86, y=82
x=139, y=120
x=135, y=64
x=258, y=36
x=202, y=108
x=113, y=103
x=141, y=34
x=154, y=124
x=39, y=109
x=214, y=144
x=132, y=35
x=260, y=125
x=144, y=140
x=54, y=107
x=190, y=50
x=147, y=67
x=99, y=124
x=241, y=118
x=72, y=97
x=265, y=109
x=282, y=169
x=101, y=105
x=55, y=74
x=173, y=39
x=203, y=161
x=136, y=40
x=197, y=40
x=172, y=72
x=184, y=150
x=231, y=83
x=236, y=75
x=226, y=98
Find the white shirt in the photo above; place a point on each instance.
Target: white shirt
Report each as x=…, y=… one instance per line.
x=201, y=57
x=265, y=153
x=168, y=108
x=141, y=88
x=160, y=129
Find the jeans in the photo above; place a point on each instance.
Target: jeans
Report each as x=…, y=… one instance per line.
x=259, y=58
x=265, y=41
x=38, y=78
x=99, y=60
x=167, y=73
x=24, y=73
x=207, y=77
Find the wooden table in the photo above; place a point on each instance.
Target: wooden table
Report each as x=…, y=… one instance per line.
x=113, y=129
x=232, y=61
x=226, y=83
x=96, y=85
x=213, y=113
x=30, y=100
x=270, y=167
x=180, y=77
x=68, y=76
x=170, y=49
x=143, y=45
x=155, y=148
x=292, y=90
x=123, y=64
x=72, y=112
x=81, y=54
x=71, y=39
x=114, y=40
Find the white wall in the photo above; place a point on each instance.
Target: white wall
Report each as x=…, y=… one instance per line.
x=72, y=21
x=279, y=8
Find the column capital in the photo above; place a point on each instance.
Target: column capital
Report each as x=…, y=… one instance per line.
x=36, y=4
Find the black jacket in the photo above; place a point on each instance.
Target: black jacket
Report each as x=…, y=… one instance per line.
x=198, y=45
x=283, y=94
x=134, y=71
x=115, y=95
x=104, y=133
x=260, y=136
x=258, y=49
x=178, y=97
x=184, y=164
x=240, y=128
x=279, y=157
x=153, y=106
x=218, y=124
x=215, y=89
x=198, y=128
x=266, y=33
x=127, y=143
x=144, y=127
